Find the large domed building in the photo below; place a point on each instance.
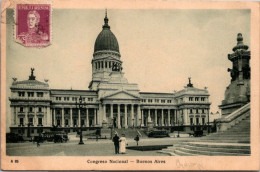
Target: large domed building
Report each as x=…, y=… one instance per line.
x=110, y=100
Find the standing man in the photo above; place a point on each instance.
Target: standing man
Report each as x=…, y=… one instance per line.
x=137, y=139
x=116, y=143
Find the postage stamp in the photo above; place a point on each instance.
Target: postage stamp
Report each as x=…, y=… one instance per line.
x=33, y=25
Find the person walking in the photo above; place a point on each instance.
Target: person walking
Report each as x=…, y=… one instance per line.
x=116, y=143
x=137, y=139
x=123, y=144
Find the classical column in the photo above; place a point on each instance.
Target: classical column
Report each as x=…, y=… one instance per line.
x=138, y=115
x=126, y=126
x=104, y=113
x=95, y=117
x=48, y=116
x=169, y=118
x=62, y=117
x=34, y=117
x=71, y=122
x=111, y=111
x=149, y=115
x=54, y=116
x=79, y=117
x=26, y=115
x=142, y=116
x=12, y=115
x=132, y=115
x=162, y=118
x=87, y=118
x=155, y=117
x=118, y=116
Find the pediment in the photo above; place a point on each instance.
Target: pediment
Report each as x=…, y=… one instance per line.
x=122, y=95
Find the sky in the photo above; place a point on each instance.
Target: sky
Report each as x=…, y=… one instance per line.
x=160, y=49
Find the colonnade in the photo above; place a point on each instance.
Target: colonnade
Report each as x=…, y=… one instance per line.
x=160, y=117
x=119, y=115
x=79, y=118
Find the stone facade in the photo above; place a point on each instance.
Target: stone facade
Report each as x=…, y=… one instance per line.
x=110, y=101
x=237, y=93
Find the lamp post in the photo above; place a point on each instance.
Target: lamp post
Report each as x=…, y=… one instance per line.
x=28, y=130
x=178, y=128
x=80, y=105
x=208, y=122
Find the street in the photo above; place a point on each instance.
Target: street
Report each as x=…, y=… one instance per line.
x=90, y=148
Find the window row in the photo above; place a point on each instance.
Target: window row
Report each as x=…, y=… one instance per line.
x=73, y=99
x=156, y=100
x=30, y=94
x=30, y=120
x=197, y=99
x=197, y=111
x=22, y=109
x=197, y=121
x=105, y=64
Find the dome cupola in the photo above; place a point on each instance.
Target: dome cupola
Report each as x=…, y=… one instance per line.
x=106, y=40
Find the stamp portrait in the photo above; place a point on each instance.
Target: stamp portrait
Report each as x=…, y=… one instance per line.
x=33, y=25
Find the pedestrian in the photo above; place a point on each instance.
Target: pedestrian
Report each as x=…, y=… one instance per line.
x=137, y=139
x=116, y=143
x=38, y=141
x=123, y=144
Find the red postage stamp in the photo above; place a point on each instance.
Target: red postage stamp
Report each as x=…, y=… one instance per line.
x=33, y=25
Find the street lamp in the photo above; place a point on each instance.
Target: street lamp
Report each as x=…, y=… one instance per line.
x=80, y=105
x=208, y=122
x=28, y=130
x=178, y=127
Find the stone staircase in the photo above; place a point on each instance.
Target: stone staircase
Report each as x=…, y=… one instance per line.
x=235, y=141
x=131, y=133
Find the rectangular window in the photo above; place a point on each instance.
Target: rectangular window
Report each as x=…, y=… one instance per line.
x=30, y=109
x=169, y=101
x=57, y=98
x=197, y=121
x=58, y=122
x=197, y=110
x=196, y=99
x=191, y=111
x=157, y=100
x=30, y=94
x=21, y=121
x=190, y=98
x=21, y=94
x=31, y=120
x=39, y=109
x=39, y=121
x=162, y=101
x=202, y=98
x=150, y=100
x=74, y=122
x=203, y=121
x=191, y=121
x=39, y=94
x=66, y=122
x=21, y=109
x=90, y=99
x=144, y=100
x=203, y=111
x=83, y=99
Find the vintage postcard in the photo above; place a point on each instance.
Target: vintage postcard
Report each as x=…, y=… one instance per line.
x=127, y=85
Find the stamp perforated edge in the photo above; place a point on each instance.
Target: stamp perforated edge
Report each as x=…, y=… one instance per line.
x=15, y=20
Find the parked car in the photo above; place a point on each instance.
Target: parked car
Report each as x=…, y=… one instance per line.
x=60, y=138
x=13, y=138
x=198, y=133
x=158, y=134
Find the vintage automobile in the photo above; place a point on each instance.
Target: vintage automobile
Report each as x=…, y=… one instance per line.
x=198, y=133
x=60, y=138
x=158, y=134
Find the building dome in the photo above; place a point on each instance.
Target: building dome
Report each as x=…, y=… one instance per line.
x=106, y=40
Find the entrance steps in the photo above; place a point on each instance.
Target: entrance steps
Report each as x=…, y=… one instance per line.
x=130, y=133
x=235, y=141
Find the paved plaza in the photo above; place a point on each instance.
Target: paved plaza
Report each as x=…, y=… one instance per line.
x=90, y=148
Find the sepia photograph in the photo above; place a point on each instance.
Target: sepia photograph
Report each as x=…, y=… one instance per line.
x=110, y=82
